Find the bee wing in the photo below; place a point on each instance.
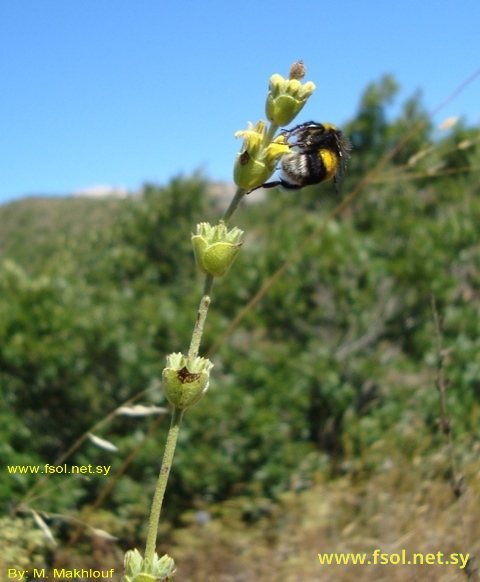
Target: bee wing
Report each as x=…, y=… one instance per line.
x=344, y=148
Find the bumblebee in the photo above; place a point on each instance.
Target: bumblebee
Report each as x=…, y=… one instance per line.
x=319, y=152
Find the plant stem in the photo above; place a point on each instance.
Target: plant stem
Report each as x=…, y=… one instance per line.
x=201, y=317
x=270, y=133
x=240, y=193
x=177, y=414
x=170, y=445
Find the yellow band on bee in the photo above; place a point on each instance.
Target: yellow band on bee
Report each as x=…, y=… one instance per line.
x=330, y=161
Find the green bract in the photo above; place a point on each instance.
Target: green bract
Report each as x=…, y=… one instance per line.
x=216, y=248
x=185, y=380
x=286, y=98
x=139, y=570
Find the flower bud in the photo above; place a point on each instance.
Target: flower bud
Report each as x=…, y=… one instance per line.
x=257, y=159
x=139, y=570
x=286, y=98
x=185, y=380
x=297, y=71
x=216, y=248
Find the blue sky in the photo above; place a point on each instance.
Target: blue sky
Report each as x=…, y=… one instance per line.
x=104, y=92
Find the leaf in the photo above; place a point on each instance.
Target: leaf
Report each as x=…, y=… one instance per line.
x=102, y=443
x=141, y=410
x=103, y=534
x=44, y=527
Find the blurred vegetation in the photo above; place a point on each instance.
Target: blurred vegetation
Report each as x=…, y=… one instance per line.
x=329, y=379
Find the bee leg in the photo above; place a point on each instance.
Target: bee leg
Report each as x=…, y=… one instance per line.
x=337, y=186
x=267, y=185
x=271, y=184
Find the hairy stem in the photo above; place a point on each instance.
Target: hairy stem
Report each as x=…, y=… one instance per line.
x=167, y=460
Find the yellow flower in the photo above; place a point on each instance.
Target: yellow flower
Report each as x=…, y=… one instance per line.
x=257, y=160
